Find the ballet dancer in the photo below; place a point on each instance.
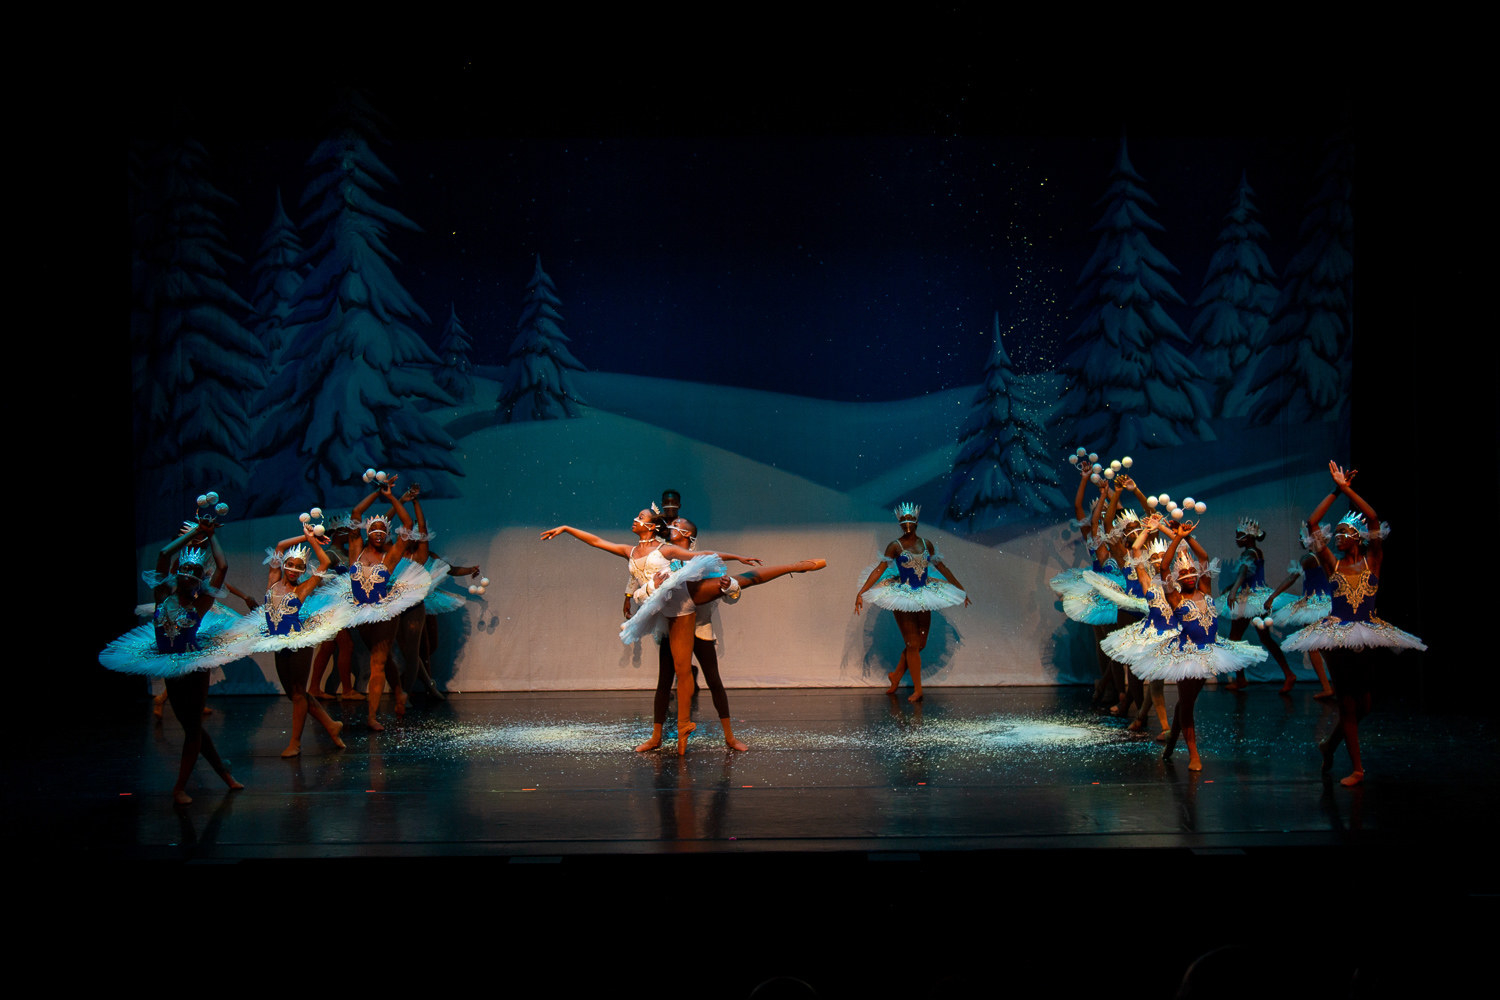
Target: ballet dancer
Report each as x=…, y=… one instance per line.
x=379, y=594
x=1352, y=623
x=1315, y=603
x=900, y=583
x=683, y=533
x=183, y=643
x=301, y=611
x=1195, y=652
x=1247, y=594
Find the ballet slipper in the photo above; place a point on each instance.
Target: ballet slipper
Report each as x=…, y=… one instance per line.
x=1353, y=779
x=181, y=798
x=374, y=724
x=915, y=695
x=333, y=734
x=351, y=695
x=895, y=678
x=400, y=700
x=653, y=742
x=1327, y=695
x=293, y=749
x=729, y=738
x=322, y=695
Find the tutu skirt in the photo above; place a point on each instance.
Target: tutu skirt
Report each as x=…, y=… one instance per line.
x=1302, y=611
x=890, y=593
x=407, y=586
x=1335, y=633
x=323, y=615
x=1251, y=603
x=217, y=643
x=670, y=600
x=1173, y=660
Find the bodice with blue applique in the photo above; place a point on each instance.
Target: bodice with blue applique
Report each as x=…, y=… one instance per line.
x=283, y=612
x=1353, y=597
x=176, y=627
x=370, y=582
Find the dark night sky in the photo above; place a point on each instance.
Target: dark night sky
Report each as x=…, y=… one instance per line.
x=839, y=234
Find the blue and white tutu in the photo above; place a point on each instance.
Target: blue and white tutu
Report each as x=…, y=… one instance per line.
x=670, y=599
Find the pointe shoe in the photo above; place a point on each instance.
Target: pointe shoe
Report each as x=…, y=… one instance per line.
x=333, y=734
x=811, y=565
x=293, y=749
x=682, y=736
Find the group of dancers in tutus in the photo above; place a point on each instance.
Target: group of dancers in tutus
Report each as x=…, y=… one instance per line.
x=1148, y=594
x=1149, y=597
x=339, y=574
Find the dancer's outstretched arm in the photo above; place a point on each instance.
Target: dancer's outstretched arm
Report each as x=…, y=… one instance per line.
x=623, y=551
x=671, y=551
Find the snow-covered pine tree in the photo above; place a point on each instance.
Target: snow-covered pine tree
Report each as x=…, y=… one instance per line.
x=1003, y=458
x=535, y=384
x=1234, y=308
x=1130, y=386
x=1304, y=371
x=455, y=374
x=277, y=273
x=346, y=398
x=195, y=365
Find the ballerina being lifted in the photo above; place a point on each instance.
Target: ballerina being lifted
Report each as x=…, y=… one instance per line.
x=666, y=598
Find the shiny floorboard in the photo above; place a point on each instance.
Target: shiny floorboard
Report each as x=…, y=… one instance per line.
x=863, y=822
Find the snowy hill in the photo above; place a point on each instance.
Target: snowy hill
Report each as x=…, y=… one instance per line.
x=781, y=478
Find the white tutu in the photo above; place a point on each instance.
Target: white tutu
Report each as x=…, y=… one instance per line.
x=890, y=593
x=324, y=614
x=1081, y=601
x=407, y=586
x=1335, y=633
x=650, y=616
x=1302, y=611
x=135, y=652
x=1251, y=603
x=1169, y=661
x=1109, y=588
x=438, y=601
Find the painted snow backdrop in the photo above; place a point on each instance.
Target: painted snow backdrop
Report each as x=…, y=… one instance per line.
x=796, y=334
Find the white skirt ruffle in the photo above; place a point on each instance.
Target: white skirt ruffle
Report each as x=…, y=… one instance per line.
x=1133, y=641
x=667, y=599
x=135, y=652
x=890, y=593
x=1087, y=602
x=324, y=615
x=1251, y=603
x=1335, y=633
x=1302, y=611
x=1169, y=662
x=408, y=585
x=438, y=601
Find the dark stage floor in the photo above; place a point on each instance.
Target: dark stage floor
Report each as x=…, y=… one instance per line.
x=828, y=770
x=853, y=816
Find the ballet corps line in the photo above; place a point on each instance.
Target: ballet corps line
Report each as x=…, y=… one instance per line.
x=1155, y=622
